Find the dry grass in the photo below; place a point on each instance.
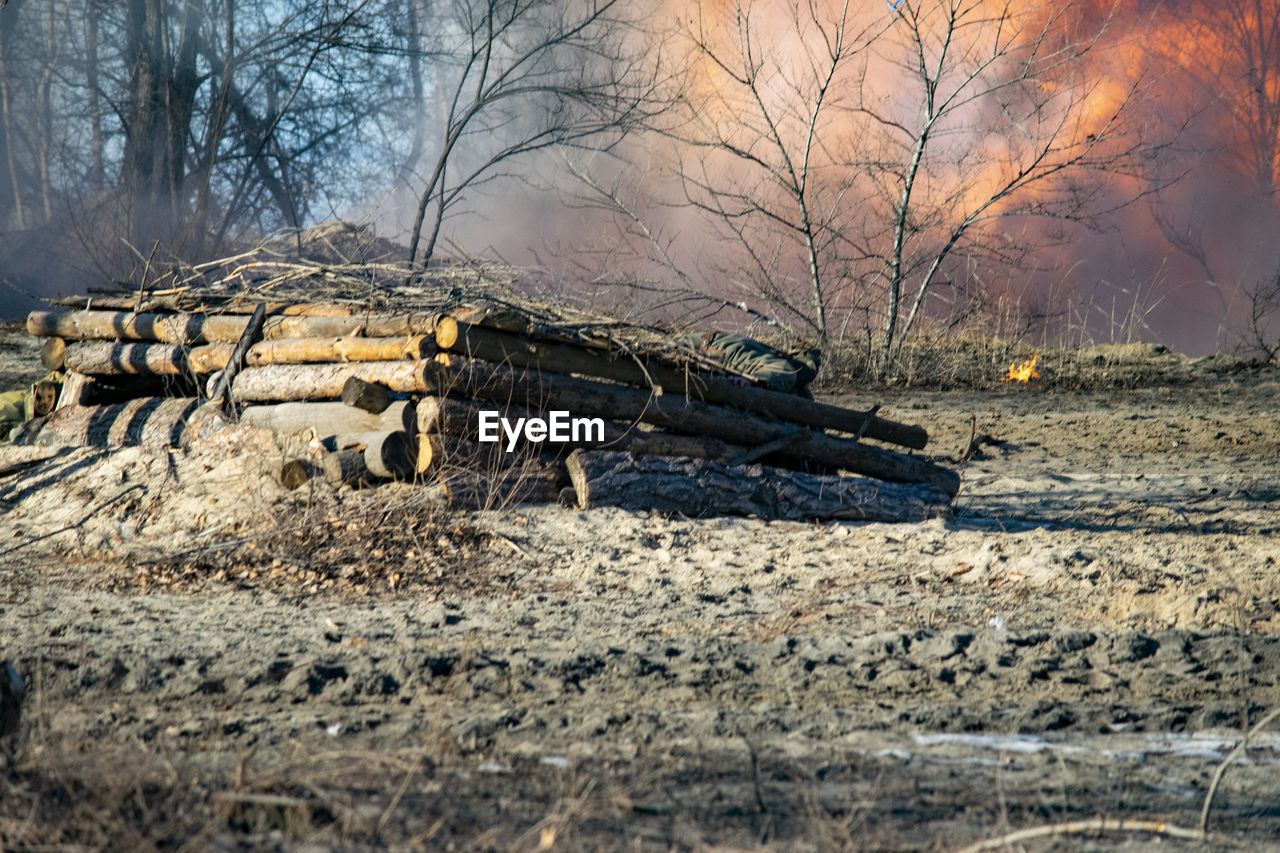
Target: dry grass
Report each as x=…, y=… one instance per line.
x=56, y=795
x=368, y=542
x=979, y=362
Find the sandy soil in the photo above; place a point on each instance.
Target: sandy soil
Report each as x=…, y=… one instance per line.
x=1087, y=636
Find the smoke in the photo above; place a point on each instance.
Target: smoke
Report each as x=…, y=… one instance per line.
x=1193, y=218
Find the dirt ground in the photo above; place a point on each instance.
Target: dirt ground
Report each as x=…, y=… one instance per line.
x=226, y=668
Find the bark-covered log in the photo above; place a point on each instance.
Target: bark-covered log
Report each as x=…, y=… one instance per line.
x=531, y=482
x=190, y=329
x=438, y=452
x=329, y=419
x=503, y=348
x=582, y=397
x=346, y=467
x=154, y=422
x=107, y=358
x=368, y=396
x=286, y=382
x=701, y=488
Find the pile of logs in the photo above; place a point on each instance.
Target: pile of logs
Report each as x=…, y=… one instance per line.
x=357, y=397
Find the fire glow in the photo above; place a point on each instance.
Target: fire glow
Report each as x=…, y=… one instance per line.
x=1024, y=372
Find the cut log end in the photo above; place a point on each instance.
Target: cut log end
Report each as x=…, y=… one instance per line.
x=294, y=473
x=53, y=354
x=446, y=332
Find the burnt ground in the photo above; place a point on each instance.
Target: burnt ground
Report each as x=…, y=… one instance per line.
x=248, y=669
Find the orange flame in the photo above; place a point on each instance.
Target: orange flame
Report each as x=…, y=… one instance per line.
x=1024, y=372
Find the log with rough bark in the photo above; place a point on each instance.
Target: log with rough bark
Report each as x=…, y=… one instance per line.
x=438, y=452
x=701, y=488
x=365, y=395
x=330, y=418
x=286, y=382
x=460, y=417
x=346, y=467
x=548, y=391
x=532, y=482
x=189, y=329
x=504, y=348
x=109, y=358
x=154, y=422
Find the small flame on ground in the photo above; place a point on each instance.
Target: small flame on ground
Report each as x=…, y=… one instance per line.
x=1024, y=372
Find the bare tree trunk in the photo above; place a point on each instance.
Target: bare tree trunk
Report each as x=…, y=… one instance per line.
x=8, y=24
x=45, y=137
x=163, y=82
x=97, y=173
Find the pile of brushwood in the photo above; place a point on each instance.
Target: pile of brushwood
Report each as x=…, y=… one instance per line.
x=481, y=395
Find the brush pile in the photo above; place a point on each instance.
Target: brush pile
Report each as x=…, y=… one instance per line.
x=355, y=373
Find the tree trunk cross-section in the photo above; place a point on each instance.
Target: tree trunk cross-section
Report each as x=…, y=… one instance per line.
x=697, y=487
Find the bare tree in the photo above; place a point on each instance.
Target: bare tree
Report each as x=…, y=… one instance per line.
x=520, y=76
x=855, y=160
x=1238, y=64
x=1226, y=57
x=1007, y=122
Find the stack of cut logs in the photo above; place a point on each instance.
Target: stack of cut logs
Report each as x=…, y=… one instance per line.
x=358, y=397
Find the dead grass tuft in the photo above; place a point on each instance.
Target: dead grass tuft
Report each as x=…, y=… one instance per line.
x=71, y=797
x=978, y=362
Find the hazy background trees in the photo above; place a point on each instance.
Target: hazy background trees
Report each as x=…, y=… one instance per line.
x=141, y=125
x=848, y=160
x=845, y=169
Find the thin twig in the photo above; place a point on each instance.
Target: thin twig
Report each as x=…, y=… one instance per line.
x=1226, y=762
x=1097, y=824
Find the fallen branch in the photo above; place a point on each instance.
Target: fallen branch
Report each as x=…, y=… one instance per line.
x=1098, y=824
x=1226, y=762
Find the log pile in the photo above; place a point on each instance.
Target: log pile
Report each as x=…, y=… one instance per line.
x=484, y=398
